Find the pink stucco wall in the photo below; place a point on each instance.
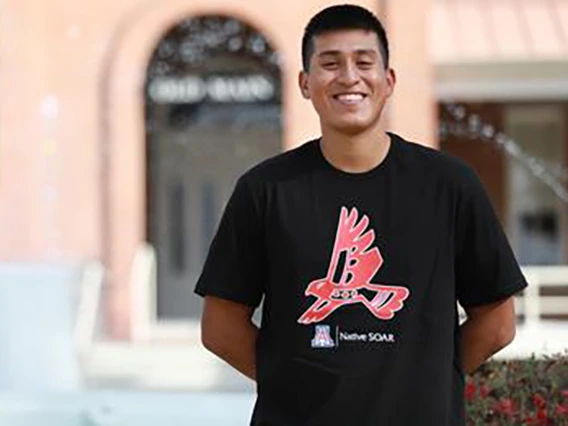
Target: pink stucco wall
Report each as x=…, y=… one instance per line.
x=71, y=119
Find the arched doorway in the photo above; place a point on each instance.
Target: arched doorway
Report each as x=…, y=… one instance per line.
x=212, y=110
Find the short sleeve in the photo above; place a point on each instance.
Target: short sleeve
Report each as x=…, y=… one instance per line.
x=485, y=267
x=234, y=264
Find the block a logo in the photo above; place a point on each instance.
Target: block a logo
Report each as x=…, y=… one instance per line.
x=322, y=337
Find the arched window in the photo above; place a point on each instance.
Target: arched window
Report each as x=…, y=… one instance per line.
x=213, y=109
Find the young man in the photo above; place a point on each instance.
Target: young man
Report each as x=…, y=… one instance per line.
x=360, y=244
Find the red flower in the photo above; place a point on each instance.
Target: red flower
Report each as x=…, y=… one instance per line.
x=470, y=391
x=505, y=406
x=542, y=416
x=483, y=391
x=564, y=393
x=539, y=401
x=562, y=410
x=529, y=421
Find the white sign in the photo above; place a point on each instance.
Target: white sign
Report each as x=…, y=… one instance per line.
x=194, y=89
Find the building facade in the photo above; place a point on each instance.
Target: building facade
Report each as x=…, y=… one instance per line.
x=123, y=126
x=126, y=123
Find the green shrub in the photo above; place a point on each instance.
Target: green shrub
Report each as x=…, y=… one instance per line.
x=519, y=392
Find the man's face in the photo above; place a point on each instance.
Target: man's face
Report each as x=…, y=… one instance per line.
x=347, y=81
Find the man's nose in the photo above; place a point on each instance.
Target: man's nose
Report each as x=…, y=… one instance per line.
x=349, y=74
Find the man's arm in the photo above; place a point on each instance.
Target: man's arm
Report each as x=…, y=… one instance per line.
x=228, y=332
x=487, y=330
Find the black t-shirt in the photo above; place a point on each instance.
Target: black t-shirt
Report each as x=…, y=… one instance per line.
x=360, y=274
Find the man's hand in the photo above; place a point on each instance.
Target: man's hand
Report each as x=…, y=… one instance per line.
x=487, y=330
x=228, y=332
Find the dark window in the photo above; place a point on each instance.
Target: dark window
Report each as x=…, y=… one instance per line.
x=176, y=227
x=209, y=211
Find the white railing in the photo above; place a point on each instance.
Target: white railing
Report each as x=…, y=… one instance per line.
x=88, y=308
x=538, y=337
x=143, y=291
x=532, y=304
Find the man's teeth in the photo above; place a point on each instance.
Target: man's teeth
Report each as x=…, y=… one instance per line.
x=350, y=97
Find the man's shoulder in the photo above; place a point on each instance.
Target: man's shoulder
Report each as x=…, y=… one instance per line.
x=282, y=166
x=434, y=162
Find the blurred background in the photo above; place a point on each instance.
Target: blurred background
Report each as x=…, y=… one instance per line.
x=124, y=125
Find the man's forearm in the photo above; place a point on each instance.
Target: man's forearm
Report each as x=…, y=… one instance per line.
x=237, y=348
x=488, y=329
x=478, y=343
x=476, y=347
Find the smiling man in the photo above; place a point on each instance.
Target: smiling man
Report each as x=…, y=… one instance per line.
x=360, y=243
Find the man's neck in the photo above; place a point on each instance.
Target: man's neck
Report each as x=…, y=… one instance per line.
x=355, y=153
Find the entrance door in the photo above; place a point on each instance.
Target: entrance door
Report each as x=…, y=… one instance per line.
x=213, y=111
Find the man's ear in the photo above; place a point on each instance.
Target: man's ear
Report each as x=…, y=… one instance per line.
x=303, y=83
x=391, y=81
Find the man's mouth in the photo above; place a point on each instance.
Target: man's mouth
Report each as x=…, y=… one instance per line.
x=350, y=98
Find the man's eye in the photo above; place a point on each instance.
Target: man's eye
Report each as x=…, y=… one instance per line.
x=329, y=64
x=365, y=63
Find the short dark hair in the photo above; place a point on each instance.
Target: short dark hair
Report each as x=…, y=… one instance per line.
x=343, y=17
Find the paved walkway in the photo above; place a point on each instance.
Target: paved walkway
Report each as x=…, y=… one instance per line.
x=125, y=408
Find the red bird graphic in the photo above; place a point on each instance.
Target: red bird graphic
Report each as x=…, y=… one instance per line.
x=353, y=264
